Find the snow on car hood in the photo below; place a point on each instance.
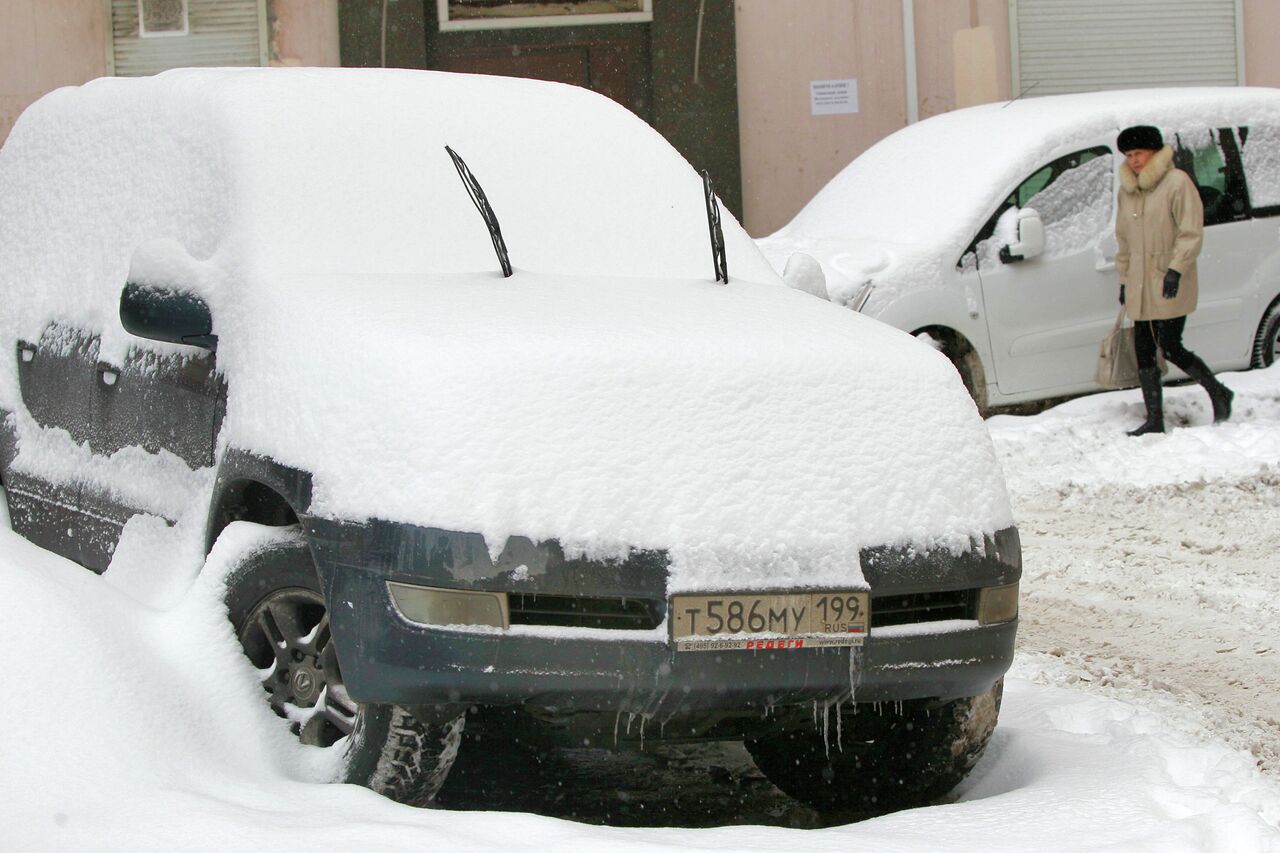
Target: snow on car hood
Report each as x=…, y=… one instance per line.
x=758, y=434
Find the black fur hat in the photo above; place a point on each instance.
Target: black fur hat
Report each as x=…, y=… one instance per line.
x=1140, y=136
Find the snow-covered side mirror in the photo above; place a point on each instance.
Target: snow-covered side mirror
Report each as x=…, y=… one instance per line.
x=803, y=272
x=163, y=314
x=1030, y=238
x=160, y=300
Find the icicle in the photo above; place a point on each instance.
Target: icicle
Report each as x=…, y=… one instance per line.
x=839, y=728
x=855, y=672
x=617, y=718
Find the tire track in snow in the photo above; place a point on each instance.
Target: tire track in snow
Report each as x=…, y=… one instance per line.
x=1168, y=595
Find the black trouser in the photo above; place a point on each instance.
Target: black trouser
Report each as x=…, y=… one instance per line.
x=1169, y=334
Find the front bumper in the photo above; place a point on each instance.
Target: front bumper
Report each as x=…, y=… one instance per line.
x=564, y=670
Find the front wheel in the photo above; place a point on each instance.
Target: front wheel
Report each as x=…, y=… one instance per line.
x=885, y=758
x=279, y=615
x=1266, y=347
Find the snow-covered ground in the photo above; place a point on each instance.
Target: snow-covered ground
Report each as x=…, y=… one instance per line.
x=1142, y=712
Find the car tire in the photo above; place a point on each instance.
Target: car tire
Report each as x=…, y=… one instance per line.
x=1266, y=346
x=889, y=756
x=274, y=601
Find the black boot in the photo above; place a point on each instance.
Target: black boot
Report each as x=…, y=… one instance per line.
x=1153, y=397
x=1220, y=395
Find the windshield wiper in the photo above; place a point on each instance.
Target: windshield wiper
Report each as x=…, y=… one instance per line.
x=717, y=233
x=486, y=211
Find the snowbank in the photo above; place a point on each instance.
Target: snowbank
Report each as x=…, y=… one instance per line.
x=144, y=730
x=1081, y=445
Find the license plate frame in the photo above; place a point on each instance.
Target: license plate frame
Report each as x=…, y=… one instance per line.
x=769, y=621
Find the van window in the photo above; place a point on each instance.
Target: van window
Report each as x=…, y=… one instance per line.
x=1209, y=157
x=1260, y=151
x=1073, y=196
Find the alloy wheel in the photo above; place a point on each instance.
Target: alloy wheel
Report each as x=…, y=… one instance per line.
x=287, y=638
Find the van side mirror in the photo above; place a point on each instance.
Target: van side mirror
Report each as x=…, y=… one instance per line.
x=803, y=272
x=1031, y=238
x=164, y=314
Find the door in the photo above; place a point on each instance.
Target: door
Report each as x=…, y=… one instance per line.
x=77, y=495
x=1046, y=315
x=1221, y=328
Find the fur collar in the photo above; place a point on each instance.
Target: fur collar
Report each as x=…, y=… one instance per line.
x=1160, y=164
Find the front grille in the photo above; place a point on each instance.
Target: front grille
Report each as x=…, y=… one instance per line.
x=639, y=614
x=909, y=609
x=616, y=614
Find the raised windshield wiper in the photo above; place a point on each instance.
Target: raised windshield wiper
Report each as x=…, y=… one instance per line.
x=717, y=234
x=486, y=212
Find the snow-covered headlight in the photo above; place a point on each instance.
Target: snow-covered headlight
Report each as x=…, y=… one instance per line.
x=997, y=604
x=431, y=606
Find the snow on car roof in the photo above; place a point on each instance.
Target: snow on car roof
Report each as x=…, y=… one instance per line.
x=609, y=394
x=935, y=181
x=328, y=170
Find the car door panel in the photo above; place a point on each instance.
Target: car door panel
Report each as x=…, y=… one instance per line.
x=159, y=402
x=1220, y=329
x=1046, y=315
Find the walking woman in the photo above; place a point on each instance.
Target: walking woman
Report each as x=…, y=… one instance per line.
x=1159, y=228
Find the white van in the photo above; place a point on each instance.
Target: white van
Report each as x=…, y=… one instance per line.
x=990, y=230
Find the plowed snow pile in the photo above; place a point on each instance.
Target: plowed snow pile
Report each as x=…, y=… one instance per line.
x=1152, y=565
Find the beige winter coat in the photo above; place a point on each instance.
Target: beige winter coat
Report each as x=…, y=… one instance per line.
x=1159, y=226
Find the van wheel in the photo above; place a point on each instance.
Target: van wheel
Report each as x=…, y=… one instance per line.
x=889, y=756
x=1266, y=347
x=279, y=616
x=964, y=358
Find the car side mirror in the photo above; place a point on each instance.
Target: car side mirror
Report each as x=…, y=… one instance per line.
x=1031, y=238
x=165, y=314
x=803, y=272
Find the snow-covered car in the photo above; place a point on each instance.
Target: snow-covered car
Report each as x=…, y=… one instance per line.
x=253, y=322
x=990, y=231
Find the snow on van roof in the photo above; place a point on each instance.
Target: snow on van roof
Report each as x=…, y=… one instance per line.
x=328, y=170
x=609, y=394
x=935, y=181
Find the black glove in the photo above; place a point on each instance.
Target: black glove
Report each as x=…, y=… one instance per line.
x=1122, y=293
x=1171, y=280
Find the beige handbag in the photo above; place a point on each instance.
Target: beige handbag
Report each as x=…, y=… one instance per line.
x=1118, y=357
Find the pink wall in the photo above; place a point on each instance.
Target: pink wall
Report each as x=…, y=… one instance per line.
x=788, y=154
x=304, y=32
x=45, y=44
x=1261, y=31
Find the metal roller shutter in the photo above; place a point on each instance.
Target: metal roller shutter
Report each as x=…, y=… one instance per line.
x=1088, y=45
x=221, y=33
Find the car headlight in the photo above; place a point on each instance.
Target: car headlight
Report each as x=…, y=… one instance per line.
x=997, y=604
x=431, y=606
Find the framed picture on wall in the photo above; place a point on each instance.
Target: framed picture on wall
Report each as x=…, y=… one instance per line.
x=508, y=14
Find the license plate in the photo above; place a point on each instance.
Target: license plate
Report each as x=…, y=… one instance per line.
x=769, y=622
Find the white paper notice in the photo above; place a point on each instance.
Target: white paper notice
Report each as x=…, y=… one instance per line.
x=833, y=97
